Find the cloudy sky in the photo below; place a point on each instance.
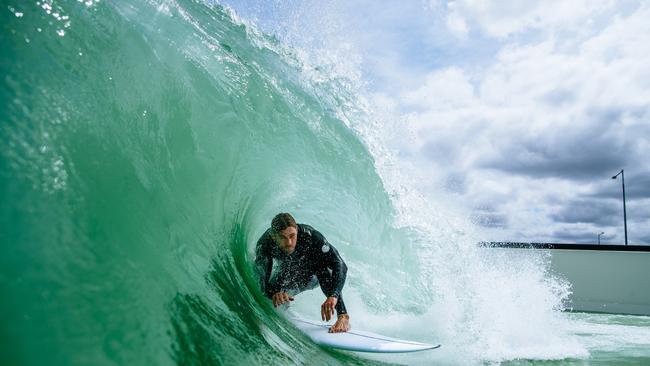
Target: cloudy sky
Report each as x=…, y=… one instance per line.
x=520, y=111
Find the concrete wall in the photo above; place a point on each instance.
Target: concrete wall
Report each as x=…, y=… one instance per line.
x=611, y=279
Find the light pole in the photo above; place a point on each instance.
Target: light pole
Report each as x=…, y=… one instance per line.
x=601, y=233
x=624, y=212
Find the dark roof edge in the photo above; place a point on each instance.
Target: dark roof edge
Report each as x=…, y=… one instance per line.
x=602, y=247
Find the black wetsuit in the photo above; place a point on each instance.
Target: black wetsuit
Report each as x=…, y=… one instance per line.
x=313, y=256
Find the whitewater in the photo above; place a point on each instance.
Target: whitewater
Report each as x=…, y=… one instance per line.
x=144, y=148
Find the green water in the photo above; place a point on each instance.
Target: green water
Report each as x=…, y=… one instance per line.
x=144, y=148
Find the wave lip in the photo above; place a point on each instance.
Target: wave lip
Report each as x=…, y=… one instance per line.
x=144, y=148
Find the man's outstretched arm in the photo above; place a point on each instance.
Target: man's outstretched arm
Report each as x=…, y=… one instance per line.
x=332, y=259
x=331, y=276
x=334, y=286
x=263, y=266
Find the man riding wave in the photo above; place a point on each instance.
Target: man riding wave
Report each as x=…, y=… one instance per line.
x=305, y=259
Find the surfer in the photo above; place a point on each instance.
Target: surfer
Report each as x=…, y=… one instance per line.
x=305, y=259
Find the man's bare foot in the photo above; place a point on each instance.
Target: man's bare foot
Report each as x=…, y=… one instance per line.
x=342, y=324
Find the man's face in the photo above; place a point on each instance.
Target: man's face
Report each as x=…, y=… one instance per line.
x=286, y=239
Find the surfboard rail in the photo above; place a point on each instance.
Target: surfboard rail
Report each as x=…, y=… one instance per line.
x=357, y=340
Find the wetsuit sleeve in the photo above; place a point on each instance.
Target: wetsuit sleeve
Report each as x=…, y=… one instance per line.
x=264, y=264
x=331, y=258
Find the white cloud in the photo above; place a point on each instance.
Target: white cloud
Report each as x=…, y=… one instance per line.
x=505, y=18
x=457, y=25
x=543, y=118
x=442, y=89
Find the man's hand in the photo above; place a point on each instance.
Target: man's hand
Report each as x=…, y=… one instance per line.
x=327, y=309
x=342, y=324
x=281, y=298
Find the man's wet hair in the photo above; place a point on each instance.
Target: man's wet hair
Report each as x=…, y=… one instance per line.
x=282, y=221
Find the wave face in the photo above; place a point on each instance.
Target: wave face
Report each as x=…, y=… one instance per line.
x=146, y=146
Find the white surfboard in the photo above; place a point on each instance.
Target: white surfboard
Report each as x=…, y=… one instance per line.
x=357, y=340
